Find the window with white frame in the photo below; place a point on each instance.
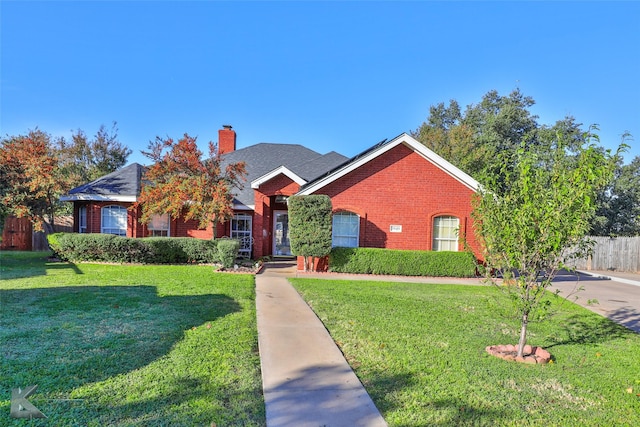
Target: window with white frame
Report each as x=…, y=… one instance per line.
x=159, y=225
x=82, y=219
x=114, y=220
x=346, y=230
x=241, y=230
x=445, y=233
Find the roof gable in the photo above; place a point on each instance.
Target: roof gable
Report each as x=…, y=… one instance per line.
x=281, y=170
x=380, y=149
x=265, y=161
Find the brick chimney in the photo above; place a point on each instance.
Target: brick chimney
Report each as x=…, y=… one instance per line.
x=226, y=140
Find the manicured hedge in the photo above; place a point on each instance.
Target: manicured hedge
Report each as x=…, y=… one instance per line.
x=402, y=262
x=152, y=250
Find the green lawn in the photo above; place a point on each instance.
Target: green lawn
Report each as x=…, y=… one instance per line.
x=419, y=351
x=128, y=345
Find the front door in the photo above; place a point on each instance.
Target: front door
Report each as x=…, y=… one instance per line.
x=281, y=233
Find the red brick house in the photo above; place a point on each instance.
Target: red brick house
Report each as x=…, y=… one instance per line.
x=397, y=194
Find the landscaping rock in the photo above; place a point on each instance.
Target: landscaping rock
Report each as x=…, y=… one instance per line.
x=531, y=355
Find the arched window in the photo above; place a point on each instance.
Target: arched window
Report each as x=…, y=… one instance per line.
x=114, y=220
x=346, y=229
x=445, y=233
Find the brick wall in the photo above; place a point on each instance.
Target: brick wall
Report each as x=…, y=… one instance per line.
x=178, y=228
x=404, y=189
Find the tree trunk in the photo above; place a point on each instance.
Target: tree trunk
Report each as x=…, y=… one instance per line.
x=523, y=333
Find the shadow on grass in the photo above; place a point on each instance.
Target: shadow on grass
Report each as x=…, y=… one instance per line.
x=384, y=387
x=227, y=405
x=589, y=329
x=20, y=265
x=61, y=338
x=17, y=264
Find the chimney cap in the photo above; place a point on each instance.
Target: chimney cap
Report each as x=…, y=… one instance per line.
x=227, y=126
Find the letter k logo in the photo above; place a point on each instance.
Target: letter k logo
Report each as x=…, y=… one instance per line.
x=21, y=407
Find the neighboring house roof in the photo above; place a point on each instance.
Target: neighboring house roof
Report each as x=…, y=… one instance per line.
x=122, y=185
x=265, y=161
x=381, y=148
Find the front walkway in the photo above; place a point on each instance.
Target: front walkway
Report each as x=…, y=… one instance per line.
x=307, y=381
x=305, y=378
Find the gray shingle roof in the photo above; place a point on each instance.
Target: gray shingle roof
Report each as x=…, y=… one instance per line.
x=260, y=159
x=123, y=183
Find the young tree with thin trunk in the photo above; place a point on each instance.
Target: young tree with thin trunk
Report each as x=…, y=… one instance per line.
x=529, y=216
x=183, y=184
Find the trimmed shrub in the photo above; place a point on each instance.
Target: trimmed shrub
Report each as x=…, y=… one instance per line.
x=402, y=262
x=198, y=250
x=165, y=250
x=310, y=226
x=111, y=248
x=227, y=251
x=127, y=250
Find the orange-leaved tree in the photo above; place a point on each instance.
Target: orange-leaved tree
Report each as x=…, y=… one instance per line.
x=183, y=184
x=30, y=178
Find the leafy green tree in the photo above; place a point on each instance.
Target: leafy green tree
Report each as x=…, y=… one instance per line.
x=181, y=183
x=526, y=226
x=83, y=159
x=619, y=204
x=485, y=136
x=310, y=227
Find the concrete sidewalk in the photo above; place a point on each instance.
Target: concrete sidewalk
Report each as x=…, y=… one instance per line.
x=616, y=276
x=305, y=378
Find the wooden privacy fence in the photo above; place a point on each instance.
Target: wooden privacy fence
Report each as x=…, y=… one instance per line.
x=18, y=234
x=613, y=253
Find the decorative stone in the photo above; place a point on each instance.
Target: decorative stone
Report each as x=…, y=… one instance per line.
x=531, y=355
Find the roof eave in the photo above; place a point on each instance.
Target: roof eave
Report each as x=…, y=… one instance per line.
x=98, y=198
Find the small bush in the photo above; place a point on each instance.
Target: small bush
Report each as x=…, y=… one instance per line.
x=227, y=251
x=402, y=262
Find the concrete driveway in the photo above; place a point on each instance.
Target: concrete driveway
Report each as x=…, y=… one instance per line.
x=617, y=298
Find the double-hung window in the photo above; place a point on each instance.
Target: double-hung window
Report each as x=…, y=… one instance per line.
x=346, y=230
x=114, y=220
x=445, y=233
x=159, y=226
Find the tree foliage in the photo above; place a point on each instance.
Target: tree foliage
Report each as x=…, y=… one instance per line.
x=485, y=136
x=619, y=204
x=31, y=180
x=528, y=215
x=181, y=183
x=83, y=159
x=310, y=226
x=483, y=140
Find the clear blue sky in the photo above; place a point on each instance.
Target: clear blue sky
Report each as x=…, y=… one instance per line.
x=328, y=75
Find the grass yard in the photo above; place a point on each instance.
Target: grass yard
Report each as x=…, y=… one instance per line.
x=122, y=345
x=419, y=351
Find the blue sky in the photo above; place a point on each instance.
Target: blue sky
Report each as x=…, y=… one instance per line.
x=328, y=75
